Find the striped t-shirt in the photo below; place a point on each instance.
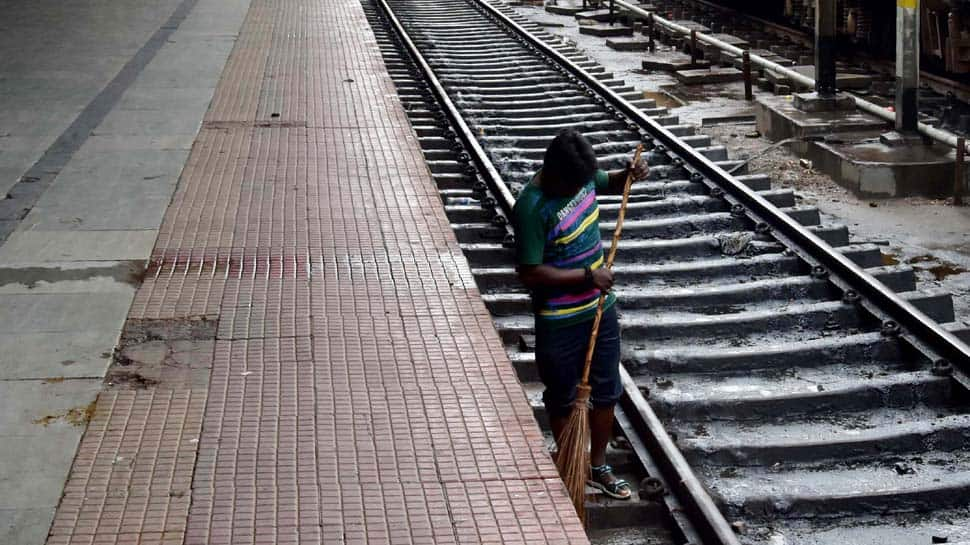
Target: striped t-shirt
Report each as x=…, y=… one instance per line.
x=564, y=233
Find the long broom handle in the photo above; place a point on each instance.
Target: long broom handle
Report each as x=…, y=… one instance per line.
x=609, y=265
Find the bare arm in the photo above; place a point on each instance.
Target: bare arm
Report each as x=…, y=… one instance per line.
x=540, y=276
x=618, y=177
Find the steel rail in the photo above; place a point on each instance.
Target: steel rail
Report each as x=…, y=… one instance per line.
x=485, y=167
x=939, y=135
x=812, y=248
x=706, y=519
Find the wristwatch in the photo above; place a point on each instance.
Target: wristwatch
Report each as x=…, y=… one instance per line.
x=589, y=276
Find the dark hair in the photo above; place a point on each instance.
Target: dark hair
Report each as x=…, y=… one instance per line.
x=569, y=163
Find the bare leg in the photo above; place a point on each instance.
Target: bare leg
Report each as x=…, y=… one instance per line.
x=601, y=428
x=601, y=424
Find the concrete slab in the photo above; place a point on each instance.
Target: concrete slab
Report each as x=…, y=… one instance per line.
x=41, y=424
x=56, y=57
x=600, y=15
x=34, y=408
x=873, y=169
x=673, y=63
x=709, y=75
x=842, y=80
x=214, y=19
x=11, y=171
x=198, y=61
x=813, y=102
x=778, y=119
x=149, y=123
x=39, y=246
x=628, y=44
x=75, y=354
x=98, y=215
x=110, y=190
x=56, y=312
x=605, y=30
x=59, y=354
x=25, y=525
x=32, y=474
x=112, y=168
x=564, y=10
x=115, y=142
x=30, y=454
x=20, y=490
x=118, y=277
x=186, y=101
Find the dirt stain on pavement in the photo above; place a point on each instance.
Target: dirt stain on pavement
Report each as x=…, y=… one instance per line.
x=133, y=380
x=889, y=260
x=78, y=416
x=663, y=99
x=940, y=270
x=126, y=272
x=946, y=269
x=163, y=353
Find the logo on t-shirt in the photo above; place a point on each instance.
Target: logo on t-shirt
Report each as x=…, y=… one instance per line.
x=573, y=203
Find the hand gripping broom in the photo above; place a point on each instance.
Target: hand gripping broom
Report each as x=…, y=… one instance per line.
x=573, y=458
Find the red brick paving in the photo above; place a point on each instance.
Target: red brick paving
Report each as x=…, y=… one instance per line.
x=359, y=392
x=131, y=479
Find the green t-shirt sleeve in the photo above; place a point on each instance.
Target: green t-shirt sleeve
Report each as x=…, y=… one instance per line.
x=530, y=234
x=602, y=179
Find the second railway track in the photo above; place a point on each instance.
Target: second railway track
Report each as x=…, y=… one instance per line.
x=812, y=407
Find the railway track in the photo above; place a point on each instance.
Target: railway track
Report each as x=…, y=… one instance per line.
x=774, y=393
x=944, y=103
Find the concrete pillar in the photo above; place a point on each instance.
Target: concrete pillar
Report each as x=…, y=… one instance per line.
x=907, y=65
x=825, y=47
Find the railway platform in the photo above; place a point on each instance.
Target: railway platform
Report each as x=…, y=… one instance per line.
x=286, y=345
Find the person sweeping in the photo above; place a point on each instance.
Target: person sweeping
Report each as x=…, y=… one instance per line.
x=560, y=259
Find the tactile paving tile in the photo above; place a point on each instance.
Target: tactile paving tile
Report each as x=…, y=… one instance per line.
x=359, y=391
x=130, y=482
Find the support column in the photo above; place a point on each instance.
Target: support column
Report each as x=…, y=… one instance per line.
x=907, y=65
x=825, y=47
x=826, y=97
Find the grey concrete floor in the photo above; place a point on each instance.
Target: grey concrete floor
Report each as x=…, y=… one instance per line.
x=69, y=270
x=56, y=56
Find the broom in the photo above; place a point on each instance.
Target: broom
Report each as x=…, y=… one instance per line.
x=573, y=458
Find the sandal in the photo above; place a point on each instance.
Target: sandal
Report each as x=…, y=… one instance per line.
x=604, y=480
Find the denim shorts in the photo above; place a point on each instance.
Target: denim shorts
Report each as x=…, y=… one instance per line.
x=561, y=353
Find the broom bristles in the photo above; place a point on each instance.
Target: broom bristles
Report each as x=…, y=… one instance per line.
x=573, y=458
